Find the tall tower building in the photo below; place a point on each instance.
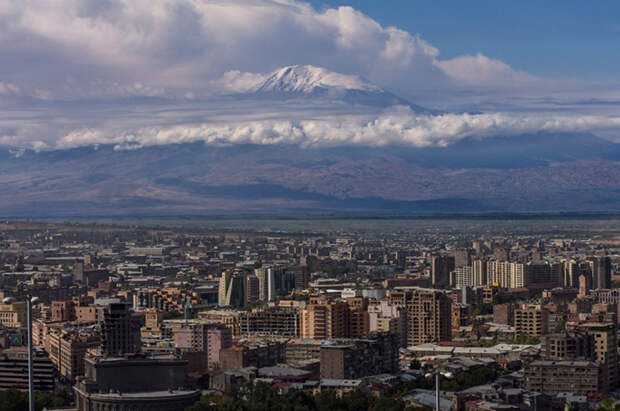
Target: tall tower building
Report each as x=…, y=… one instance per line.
x=479, y=272
x=235, y=292
x=441, y=266
x=583, y=286
x=463, y=276
x=271, y=284
x=120, y=334
x=223, y=288
x=266, y=283
x=570, y=274
x=429, y=314
x=252, y=288
x=498, y=273
x=261, y=274
x=605, y=347
x=601, y=272
x=323, y=319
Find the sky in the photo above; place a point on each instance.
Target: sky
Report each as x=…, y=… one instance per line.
x=567, y=39
x=142, y=72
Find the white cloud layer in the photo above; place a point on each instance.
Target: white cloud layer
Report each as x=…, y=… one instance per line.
x=94, y=48
x=398, y=126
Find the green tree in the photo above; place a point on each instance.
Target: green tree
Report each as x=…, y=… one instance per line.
x=607, y=404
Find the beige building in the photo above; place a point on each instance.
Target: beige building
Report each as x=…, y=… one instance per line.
x=605, y=347
x=429, y=317
x=153, y=325
x=479, y=272
x=554, y=377
x=13, y=315
x=358, y=317
x=230, y=318
x=67, y=350
x=532, y=320
x=387, y=317
x=324, y=319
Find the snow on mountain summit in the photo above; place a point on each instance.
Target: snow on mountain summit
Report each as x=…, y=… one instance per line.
x=310, y=79
x=310, y=83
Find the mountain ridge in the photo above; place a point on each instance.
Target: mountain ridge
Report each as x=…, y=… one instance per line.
x=196, y=178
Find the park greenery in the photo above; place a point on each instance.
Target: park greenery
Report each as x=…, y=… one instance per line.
x=264, y=397
x=15, y=400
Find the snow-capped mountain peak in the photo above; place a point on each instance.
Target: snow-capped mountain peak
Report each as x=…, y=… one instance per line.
x=310, y=79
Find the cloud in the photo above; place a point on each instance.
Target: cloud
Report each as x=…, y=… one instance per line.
x=100, y=48
x=8, y=88
x=399, y=126
x=238, y=82
x=480, y=70
x=91, y=64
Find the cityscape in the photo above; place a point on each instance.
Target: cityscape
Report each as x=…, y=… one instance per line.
x=309, y=205
x=502, y=314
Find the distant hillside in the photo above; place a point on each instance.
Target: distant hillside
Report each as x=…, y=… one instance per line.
x=572, y=172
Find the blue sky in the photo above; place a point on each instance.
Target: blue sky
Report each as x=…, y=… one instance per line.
x=569, y=38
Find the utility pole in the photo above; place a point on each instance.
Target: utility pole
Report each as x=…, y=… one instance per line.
x=30, y=372
x=29, y=301
x=437, y=408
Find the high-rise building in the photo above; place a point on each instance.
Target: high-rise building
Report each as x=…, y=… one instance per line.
x=323, y=319
x=463, y=276
x=67, y=349
x=252, y=288
x=584, y=286
x=358, y=317
x=479, y=268
x=441, y=266
x=570, y=274
x=263, y=290
x=301, y=275
x=235, y=292
x=223, y=288
x=605, y=348
x=567, y=346
x=462, y=258
x=498, y=273
x=386, y=317
x=267, y=282
x=601, y=272
x=120, y=334
x=204, y=337
x=429, y=317
x=517, y=275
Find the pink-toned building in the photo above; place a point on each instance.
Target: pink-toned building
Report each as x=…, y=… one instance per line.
x=89, y=313
x=390, y=317
x=204, y=337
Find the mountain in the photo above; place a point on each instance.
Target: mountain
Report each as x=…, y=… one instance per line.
x=312, y=80
x=534, y=172
x=317, y=83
